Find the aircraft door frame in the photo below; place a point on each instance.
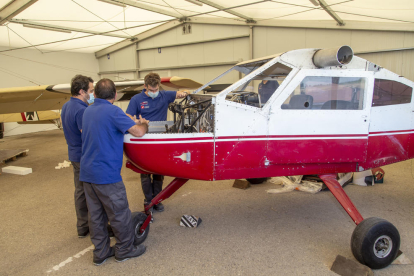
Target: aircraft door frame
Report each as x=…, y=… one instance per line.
x=319, y=136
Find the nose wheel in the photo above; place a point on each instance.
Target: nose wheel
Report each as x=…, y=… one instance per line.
x=138, y=219
x=375, y=242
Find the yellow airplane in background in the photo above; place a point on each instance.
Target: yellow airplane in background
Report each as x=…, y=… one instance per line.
x=42, y=104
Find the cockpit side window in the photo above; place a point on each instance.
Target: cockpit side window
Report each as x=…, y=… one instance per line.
x=389, y=92
x=258, y=90
x=327, y=93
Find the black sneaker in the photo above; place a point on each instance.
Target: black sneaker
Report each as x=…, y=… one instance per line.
x=101, y=261
x=159, y=207
x=84, y=234
x=136, y=252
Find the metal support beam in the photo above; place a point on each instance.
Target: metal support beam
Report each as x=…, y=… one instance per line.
x=192, y=42
x=251, y=43
x=35, y=24
x=118, y=71
x=221, y=8
x=231, y=63
x=328, y=9
x=146, y=7
x=154, y=31
x=13, y=8
x=313, y=24
x=383, y=51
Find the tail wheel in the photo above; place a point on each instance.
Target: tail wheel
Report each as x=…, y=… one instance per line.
x=138, y=219
x=375, y=242
x=256, y=180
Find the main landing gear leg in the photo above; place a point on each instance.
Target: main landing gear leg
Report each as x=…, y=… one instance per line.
x=141, y=223
x=375, y=242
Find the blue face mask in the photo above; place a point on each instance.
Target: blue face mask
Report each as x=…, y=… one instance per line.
x=153, y=94
x=91, y=99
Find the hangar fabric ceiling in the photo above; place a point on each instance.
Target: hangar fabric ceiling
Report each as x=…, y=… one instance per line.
x=92, y=25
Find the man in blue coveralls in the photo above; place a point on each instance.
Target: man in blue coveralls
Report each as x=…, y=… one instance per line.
x=72, y=113
x=152, y=104
x=104, y=126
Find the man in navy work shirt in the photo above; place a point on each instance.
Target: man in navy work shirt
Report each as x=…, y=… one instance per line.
x=152, y=104
x=266, y=90
x=104, y=126
x=72, y=113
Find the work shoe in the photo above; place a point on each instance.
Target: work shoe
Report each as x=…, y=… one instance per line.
x=159, y=207
x=101, y=261
x=84, y=234
x=136, y=252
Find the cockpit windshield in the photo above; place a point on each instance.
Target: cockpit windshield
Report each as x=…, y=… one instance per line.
x=256, y=90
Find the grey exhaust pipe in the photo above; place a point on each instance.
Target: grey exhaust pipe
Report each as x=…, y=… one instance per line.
x=333, y=56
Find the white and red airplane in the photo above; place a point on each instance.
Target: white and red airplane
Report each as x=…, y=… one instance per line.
x=329, y=112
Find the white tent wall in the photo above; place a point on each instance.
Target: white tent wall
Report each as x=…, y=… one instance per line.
x=19, y=68
x=200, y=55
x=210, y=49
x=400, y=62
x=122, y=61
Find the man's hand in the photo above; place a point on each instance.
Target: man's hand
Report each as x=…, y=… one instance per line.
x=182, y=94
x=140, y=127
x=141, y=121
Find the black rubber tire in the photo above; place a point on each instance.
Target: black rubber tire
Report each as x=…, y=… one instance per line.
x=363, y=241
x=256, y=180
x=138, y=219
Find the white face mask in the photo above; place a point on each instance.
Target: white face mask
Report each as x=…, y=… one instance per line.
x=91, y=98
x=153, y=94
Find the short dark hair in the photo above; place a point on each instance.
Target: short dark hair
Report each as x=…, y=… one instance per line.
x=105, y=89
x=152, y=79
x=79, y=82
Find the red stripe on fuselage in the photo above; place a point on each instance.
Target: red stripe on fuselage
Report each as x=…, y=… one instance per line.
x=292, y=136
x=392, y=131
x=172, y=139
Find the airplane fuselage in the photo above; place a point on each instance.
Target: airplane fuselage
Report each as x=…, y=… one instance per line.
x=319, y=120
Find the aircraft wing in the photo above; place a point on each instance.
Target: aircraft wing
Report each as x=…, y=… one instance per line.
x=52, y=97
x=32, y=98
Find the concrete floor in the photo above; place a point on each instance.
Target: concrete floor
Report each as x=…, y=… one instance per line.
x=244, y=232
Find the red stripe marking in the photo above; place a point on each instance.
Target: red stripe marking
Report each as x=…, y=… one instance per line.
x=173, y=139
x=291, y=136
x=393, y=131
x=23, y=117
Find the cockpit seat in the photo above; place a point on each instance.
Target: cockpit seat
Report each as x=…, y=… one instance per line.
x=301, y=101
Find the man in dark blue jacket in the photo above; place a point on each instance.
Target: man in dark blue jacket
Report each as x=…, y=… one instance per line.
x=104, y=126
x=152, y=104
x=72, y=113
x=266, y=90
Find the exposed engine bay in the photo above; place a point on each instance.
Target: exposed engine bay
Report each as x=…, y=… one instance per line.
x=195, y=113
